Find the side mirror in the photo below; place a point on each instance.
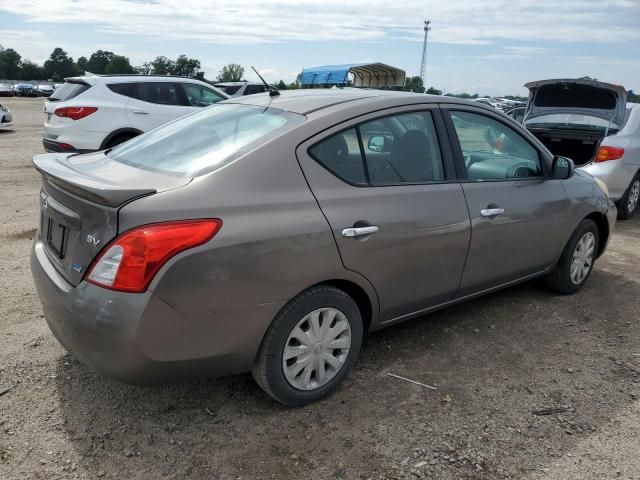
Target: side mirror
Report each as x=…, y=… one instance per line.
x=376, y=143
x=562, y=168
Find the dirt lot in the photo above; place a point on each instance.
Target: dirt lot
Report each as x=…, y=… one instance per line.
x=494, y=361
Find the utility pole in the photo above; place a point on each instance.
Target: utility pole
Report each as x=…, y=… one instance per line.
x=423, y=63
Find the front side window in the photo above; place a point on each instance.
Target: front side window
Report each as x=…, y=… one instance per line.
x=493, y=151
x=199, y=96
x=162, y=93
x=206, y=140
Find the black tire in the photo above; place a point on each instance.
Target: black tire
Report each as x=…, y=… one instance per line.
x=628, y=206
x=268, y=369
x=118, y=139
x=559, y=279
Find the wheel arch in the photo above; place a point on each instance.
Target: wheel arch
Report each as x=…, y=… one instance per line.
x=118, y=132
x=600, y=219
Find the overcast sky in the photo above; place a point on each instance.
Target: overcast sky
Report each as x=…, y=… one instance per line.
x=484, y=46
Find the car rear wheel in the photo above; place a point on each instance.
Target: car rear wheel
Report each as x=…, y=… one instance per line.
x=628, y=204
x=577, y=259
x=310, y=346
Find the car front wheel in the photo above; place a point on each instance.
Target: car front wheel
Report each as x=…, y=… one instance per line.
x=310, y=346
x=577, y=259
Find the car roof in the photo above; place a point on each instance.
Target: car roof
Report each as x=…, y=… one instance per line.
x=305, y=101
x=229, y=84
x=134, y=77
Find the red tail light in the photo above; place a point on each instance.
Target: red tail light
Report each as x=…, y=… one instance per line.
x=130, y=262
x=75, y=113
x=609, y=153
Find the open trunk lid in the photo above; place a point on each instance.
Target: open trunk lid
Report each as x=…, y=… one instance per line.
x=579, y=96
x=79, y=203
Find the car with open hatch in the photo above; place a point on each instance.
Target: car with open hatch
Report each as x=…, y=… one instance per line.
x=270, y=232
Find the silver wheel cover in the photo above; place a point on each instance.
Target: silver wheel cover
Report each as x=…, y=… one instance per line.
x=316, y=349
x=583, y=256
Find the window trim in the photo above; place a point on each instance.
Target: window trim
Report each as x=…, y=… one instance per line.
x=461, y=169
x=442, y=140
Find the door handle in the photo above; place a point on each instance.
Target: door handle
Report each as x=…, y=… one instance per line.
x=356, y=232
x=141, y=112
x=492, y=212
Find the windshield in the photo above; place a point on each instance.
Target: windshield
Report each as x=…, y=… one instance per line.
x=206, y=140
x=569, y=120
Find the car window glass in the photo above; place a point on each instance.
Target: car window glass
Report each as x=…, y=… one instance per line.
x=229, y=89
x=402, y=149
x=493, y=151
x=68, y=90
x=340, y=154
x=162, y=93
x=251, y=89
x=126, y=89
x=199, y=96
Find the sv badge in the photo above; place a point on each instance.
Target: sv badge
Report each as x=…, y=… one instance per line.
x=93, y=240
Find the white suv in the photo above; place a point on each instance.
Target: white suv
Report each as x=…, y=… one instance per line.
x=97, y=112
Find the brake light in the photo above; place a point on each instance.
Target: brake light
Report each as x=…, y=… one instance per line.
x=129, y=263
x=609, y=153
x=75, y=113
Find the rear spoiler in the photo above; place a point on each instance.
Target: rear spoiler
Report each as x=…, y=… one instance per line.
x=59, y=174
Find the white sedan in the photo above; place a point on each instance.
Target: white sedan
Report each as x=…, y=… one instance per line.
x=6, y=120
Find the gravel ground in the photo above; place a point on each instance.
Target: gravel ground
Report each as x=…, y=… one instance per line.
x=494, y=361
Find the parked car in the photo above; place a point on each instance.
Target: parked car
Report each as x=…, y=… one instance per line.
x=592, y=123
x=97, y=112
x=270, y=233
x=6, y=90
x=25, y=90
x=6, y=119
x=45, y=90
x=238, y=89
x=490, y=101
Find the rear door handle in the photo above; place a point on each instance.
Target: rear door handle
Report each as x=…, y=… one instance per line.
x=356, y=232
x=141, y=112
x=492, y=212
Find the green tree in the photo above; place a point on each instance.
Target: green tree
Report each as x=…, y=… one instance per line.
x=32, y=71
x=144, y=69
x=433, y=91
x=9, y=64
x=633, y=97
x=162, y=66
x=186, y=67
x=119, y=65
x=98, y=62
x=82, y=64
x=231, y=73
x=60, y=64
x=414, y=84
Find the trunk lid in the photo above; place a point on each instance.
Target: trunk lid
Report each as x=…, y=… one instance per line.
x=79, y=203
x=578, y=96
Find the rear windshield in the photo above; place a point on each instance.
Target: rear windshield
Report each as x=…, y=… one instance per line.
x=229, y=89
x=67, y=91
x=575, y=96
x=206, y=140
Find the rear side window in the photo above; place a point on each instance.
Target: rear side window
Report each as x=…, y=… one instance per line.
x=206, y=140
x=126, y=89
x=162, y=93
x=229, y=89
x=393, y=150
x=340, y=154
x=68, y=90
x=251, y=89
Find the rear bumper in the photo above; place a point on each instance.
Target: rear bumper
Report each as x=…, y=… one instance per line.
x=138, y=338
x=52, y=146
x=615, y=174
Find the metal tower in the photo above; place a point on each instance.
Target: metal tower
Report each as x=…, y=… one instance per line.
x=423, y=63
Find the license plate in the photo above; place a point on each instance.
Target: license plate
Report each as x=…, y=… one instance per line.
x=56, y=235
